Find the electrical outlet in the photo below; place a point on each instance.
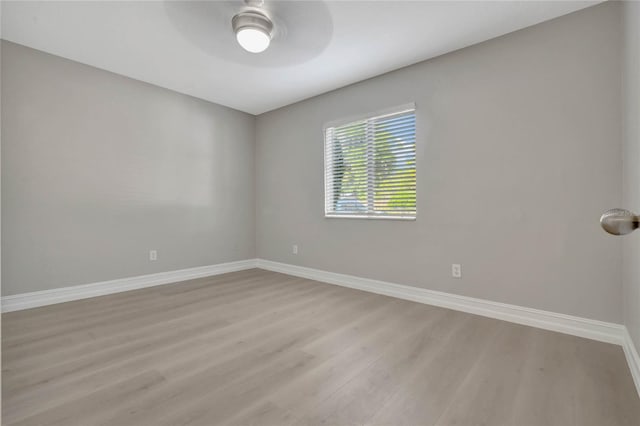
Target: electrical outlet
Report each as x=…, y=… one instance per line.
x=294, y=249
x=456, y=270
x=153, y=255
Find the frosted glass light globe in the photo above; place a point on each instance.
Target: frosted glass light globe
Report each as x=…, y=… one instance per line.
x=253, y=40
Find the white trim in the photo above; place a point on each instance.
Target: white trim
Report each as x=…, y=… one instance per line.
x=65, y=294
x=368, y=217
x=633, y=359
x=398, y=109
x=577, y=326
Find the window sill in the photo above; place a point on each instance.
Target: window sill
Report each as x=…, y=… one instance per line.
x=353, y=216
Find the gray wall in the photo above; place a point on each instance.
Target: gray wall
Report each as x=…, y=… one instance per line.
x=98, y=168
x=518, y=154
x=631, y=168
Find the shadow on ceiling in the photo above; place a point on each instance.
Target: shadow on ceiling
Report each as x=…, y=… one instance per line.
x=302, y=30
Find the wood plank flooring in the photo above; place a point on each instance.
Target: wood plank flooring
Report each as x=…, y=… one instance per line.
x=262, y=348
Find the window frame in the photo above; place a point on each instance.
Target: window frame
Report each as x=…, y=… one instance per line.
x=399, y=109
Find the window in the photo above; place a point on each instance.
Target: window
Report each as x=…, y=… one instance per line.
x=370, y=166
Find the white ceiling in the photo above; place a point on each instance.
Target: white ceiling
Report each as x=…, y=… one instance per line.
x=319, y=46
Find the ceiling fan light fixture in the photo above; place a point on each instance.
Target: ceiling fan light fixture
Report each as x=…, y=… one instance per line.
x=253, y=30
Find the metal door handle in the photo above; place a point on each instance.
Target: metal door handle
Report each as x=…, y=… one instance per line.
x=619, y=221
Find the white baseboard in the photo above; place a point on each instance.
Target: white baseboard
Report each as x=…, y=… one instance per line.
x=65, y=294
x=577, y=326
x=633, y=359
x=588, y=328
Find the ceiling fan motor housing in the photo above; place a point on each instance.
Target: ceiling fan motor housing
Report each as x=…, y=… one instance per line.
x=252, y=19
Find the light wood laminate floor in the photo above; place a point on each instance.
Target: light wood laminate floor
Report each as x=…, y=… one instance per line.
x=262, y=348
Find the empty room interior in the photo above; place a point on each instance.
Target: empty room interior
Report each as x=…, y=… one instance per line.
x=270, y=213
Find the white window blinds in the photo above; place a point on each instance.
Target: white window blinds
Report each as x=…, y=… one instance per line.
x=370, y=167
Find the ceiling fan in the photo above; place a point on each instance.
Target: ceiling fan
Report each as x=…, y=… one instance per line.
x=286, y=32
x=253, y=27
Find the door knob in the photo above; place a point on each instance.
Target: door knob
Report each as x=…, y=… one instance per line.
x=619, y=221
